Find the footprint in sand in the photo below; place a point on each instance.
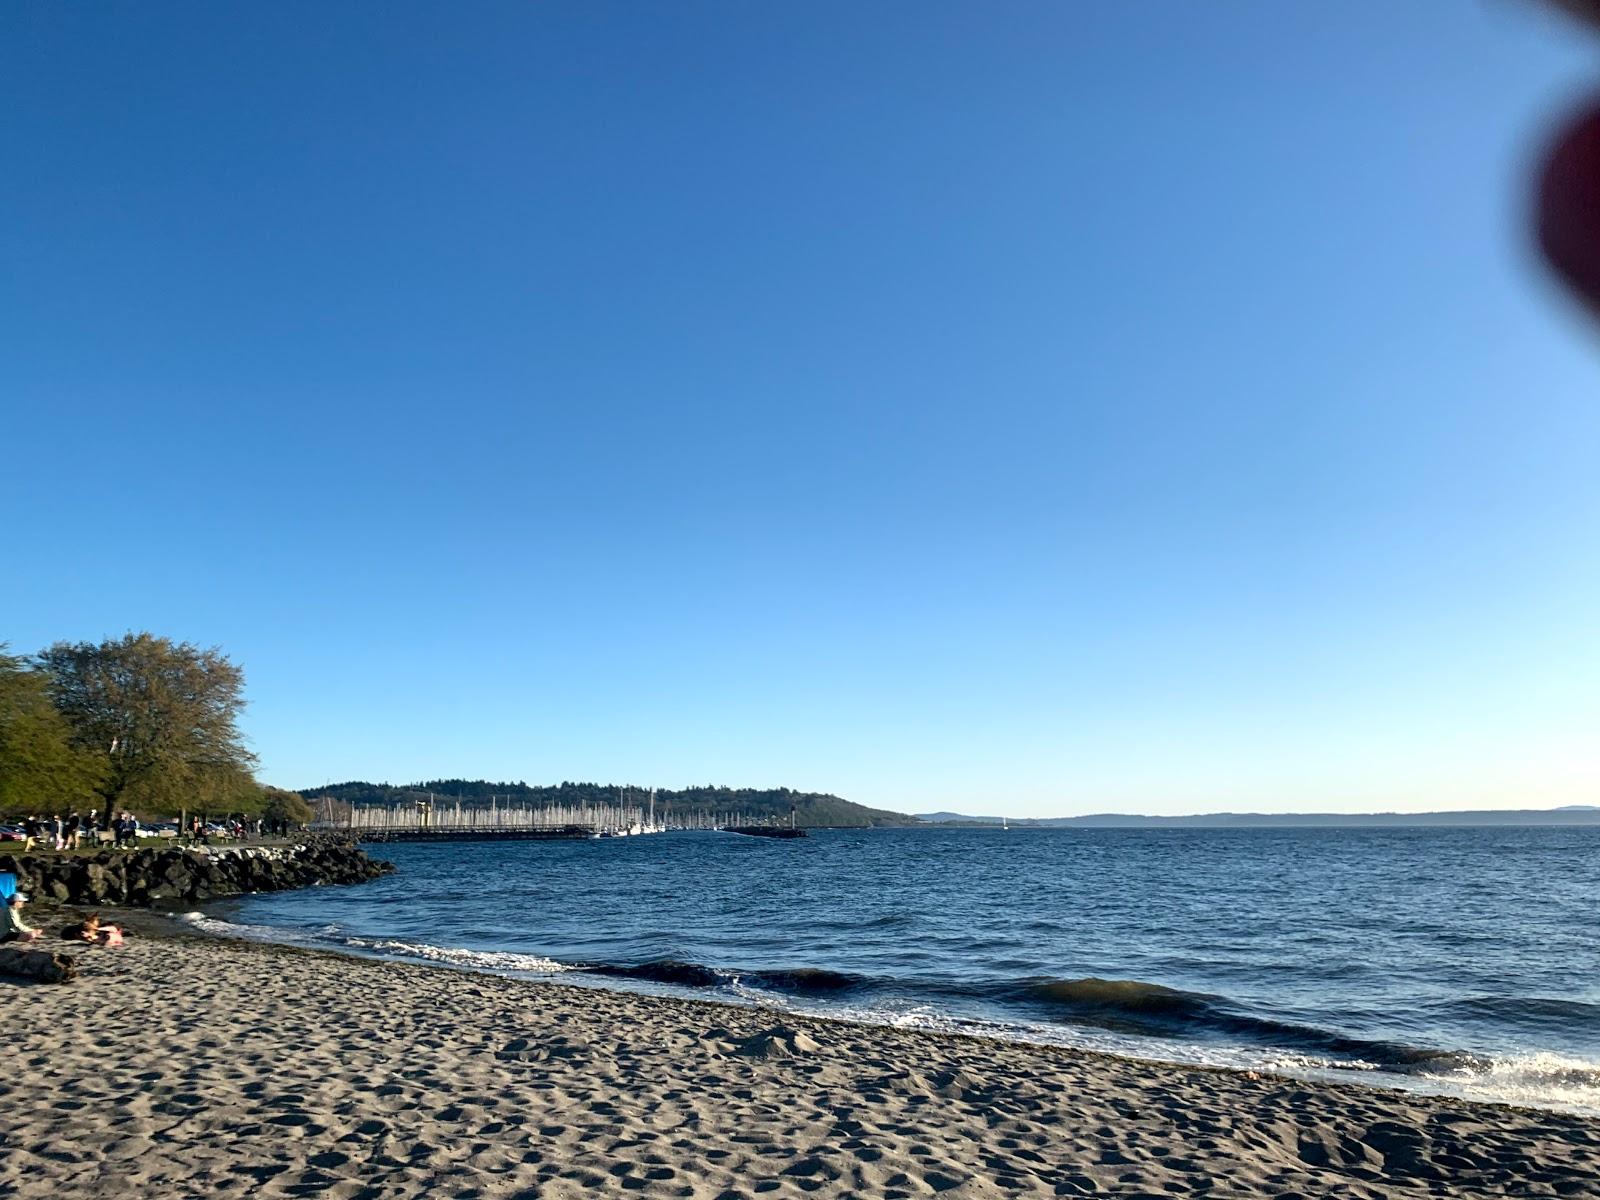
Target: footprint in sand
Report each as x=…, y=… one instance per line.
x=529, y=1050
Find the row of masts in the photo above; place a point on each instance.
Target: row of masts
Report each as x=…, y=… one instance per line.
x=446, y=814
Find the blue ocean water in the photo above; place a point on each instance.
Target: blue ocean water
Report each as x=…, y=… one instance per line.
x=1462, y=960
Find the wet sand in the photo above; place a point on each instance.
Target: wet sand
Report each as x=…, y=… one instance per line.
x=209, y=1068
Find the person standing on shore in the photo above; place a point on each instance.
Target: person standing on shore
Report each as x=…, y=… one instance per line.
x=31, y=829
x=58, y=838
x=74, y=824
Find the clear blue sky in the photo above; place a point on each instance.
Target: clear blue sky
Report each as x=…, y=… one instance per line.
x=1012, y=408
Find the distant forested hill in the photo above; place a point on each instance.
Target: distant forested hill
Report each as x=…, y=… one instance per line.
x=812, y=808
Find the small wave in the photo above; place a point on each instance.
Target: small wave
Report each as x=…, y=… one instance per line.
x=889, y=921
x=665, y=970
x=481, y=960
x=1152, y=1009
x=1531, y=1010
x=250, y=933
x=805, y=980
x=800, y=980
x=1115, y=995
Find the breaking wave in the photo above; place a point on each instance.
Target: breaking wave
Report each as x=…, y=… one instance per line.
x=666, y=970
x=480, y=960
x=798, y=980
x=1151, y=1009
x=1538, y=1079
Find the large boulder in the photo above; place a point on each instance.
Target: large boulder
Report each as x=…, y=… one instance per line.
x=94, y=883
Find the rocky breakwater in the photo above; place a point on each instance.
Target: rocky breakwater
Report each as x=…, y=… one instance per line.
x=171, y=876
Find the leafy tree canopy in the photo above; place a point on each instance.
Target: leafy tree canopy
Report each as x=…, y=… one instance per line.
x=160, y=720
x=40, y=769
x=281, y=805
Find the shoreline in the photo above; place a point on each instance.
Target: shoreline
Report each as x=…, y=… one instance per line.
x=291, y=1069
x=556, y=974
x=670, y=993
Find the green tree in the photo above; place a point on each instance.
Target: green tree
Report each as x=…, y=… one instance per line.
x=40, y=770
x=225, y=792
x=159, y=717
x=281, y=805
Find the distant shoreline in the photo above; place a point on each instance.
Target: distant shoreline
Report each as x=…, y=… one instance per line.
x=1576, y=815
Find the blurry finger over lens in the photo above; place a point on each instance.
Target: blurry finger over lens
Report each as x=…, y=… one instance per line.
x=1569, y=206
x=1589, y=10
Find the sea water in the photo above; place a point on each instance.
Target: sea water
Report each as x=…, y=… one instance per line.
x=1456, y=960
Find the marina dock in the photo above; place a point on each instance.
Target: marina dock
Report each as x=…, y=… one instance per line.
x=448, y=819
x=562, y=833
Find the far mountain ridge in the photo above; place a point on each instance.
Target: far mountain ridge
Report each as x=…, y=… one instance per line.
x=1572, y=814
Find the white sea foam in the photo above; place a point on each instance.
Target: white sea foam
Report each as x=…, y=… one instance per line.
x=249, y=933
x=1542, y=1079
x=480, y=960
x=329, y=937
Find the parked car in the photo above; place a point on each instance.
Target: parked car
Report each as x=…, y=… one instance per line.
x=12, y=833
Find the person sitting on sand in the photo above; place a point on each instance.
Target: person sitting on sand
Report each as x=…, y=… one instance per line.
x=91, y=930
x=12, y=927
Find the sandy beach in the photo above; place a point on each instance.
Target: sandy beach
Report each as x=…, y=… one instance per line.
x=198, y=1067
